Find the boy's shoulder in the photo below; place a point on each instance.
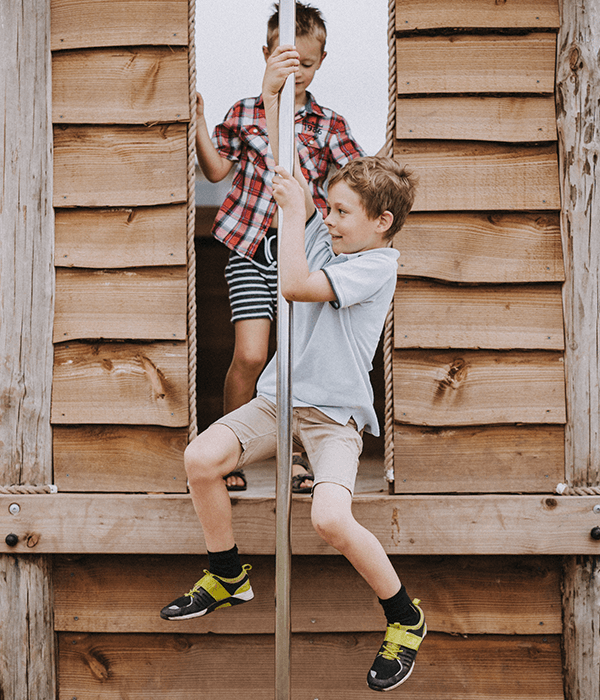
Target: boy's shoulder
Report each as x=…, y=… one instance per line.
x=246, y=110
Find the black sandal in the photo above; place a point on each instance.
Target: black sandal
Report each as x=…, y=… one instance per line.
x=240, y=474
x=299, y=479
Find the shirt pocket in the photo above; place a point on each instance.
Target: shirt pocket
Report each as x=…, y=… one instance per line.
x=313, y=154
x=257, y=144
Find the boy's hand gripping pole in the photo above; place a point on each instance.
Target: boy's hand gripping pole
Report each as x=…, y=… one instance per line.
x=283, y=557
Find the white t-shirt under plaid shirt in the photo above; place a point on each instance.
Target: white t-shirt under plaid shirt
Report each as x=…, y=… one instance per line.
x=323, y=138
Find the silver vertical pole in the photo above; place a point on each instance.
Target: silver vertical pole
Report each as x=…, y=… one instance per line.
x=283, y=558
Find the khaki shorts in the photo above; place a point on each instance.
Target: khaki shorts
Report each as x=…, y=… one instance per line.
x=332, y=449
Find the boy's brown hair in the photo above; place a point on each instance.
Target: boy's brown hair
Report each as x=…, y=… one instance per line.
x=382, y=185
x=309, y=22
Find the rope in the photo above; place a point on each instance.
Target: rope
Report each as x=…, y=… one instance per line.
x=388, y=332
x=191, y=224
x=566, y=490
x=28, y=488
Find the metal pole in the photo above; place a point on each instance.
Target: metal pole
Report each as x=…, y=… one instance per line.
x=283, y=556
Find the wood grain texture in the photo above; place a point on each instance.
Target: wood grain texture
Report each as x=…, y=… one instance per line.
x=433, y=315
x=136, y=667
x=487, y=247
x=134, y=304
x=121, y=383
x=510, y=119
x=84, y=23
x=432, y=14
x=167, y=524
x=120, y=166
x=117, y=238
x=27, y=642
x=479, y=176
x=119, y=458
x=461, y=595
x=480, y=459
x=476, y=63
x=135, y=85
x=457, y=387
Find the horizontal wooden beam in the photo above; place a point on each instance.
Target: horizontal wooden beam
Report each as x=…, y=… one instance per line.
x=441, y=524
x=482, y=14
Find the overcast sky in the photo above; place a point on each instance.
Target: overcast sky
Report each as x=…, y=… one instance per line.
x=352, y=80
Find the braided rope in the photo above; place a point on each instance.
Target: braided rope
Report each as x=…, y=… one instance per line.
x=388, y=332
x=28, y=488
x=191, y=223
x=566, y=490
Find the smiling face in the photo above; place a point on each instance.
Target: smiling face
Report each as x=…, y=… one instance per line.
x=351, y=230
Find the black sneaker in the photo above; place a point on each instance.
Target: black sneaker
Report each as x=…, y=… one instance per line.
x=396, y=658
x=210, y=593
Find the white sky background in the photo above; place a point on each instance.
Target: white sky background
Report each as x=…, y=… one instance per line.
x=352, y=81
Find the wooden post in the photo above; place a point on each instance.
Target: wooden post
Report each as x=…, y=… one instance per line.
x=27, y=667
x=578, y=97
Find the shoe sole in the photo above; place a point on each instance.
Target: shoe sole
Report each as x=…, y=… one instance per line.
x=233, y=600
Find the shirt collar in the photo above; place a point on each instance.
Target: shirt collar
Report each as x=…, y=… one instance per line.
x=311, y=106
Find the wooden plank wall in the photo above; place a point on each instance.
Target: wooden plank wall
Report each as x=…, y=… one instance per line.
x=479, y=403
x=120, y=111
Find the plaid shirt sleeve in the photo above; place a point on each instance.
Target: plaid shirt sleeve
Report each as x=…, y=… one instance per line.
x=226, y=134
x=341, y=145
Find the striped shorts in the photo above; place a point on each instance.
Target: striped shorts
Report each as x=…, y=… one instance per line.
x=253, y=283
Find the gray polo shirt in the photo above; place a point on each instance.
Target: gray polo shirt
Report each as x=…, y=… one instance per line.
x=334, y=342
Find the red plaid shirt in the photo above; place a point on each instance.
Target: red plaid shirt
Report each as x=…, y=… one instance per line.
x=324, y=139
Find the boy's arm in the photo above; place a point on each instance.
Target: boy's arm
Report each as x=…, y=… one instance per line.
x=297, y=282
x=212, y=163
x=280, y=64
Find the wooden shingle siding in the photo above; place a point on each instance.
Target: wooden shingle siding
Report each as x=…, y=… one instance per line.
x=507, y=119
x=482, y=176
x=118, y=238
x=479, y=459
x=119, y=458
x=120, y=166
x=123, y=383
x=486, y=14
x=470, y=668
x=94, y=593
x=120, y=85
x=456, y=387
x=476, y=64
x=134, y=304
x=433, y=315
x=484, y=247
x=90, y=23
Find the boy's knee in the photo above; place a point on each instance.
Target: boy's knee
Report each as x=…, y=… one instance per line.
x=208, y=458
x=328, y=524
x=250, y=361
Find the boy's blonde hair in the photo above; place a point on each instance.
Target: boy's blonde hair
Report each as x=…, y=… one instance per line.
x=382, y=185
x=309, y=22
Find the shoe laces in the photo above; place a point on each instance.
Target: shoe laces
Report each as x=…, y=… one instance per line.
x=392, y=652
x=198, y=585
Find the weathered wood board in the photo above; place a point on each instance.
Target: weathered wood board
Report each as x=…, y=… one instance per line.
x=510, y=119
x=480, y=459
x=133, y=304
x=122, y=85
x=119, y=458
x=167, y=524
x=475, y=63
x=167, y=666
x=461, y=595
x=120, y=166
x=486, y=247
x=80, y=23
x=117, y=238
x=433, y=315
x=458, y=387
x=480, y=176
x=126, y=383
x=432, y=14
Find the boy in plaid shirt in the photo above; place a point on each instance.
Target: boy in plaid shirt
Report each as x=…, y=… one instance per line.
x=247, y=220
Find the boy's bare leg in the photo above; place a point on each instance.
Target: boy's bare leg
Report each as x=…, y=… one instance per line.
x=333, y=520
x=214, y=453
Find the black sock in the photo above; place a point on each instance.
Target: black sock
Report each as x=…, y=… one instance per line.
x=399, y=608
x=225, y=564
